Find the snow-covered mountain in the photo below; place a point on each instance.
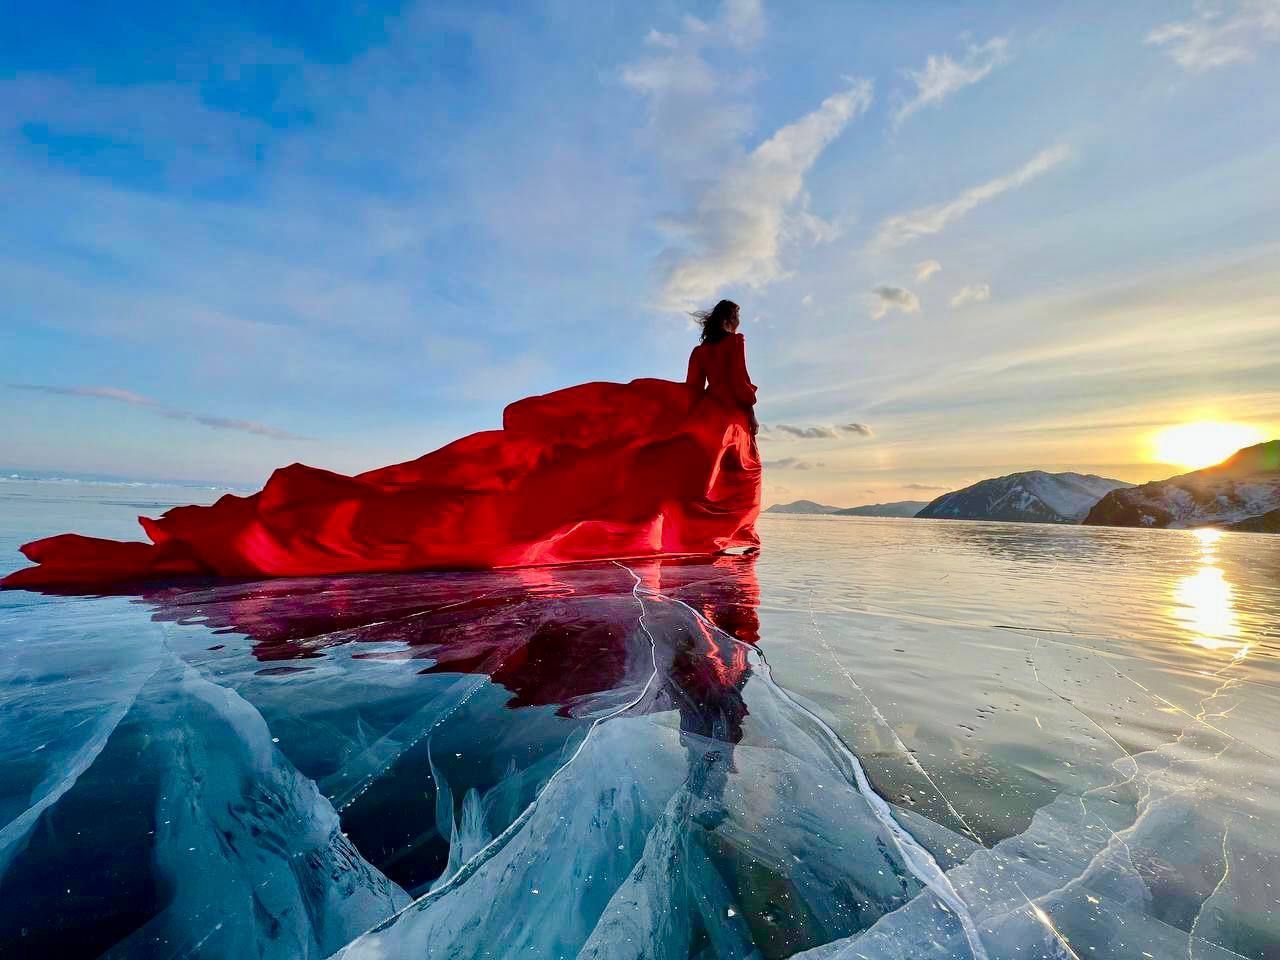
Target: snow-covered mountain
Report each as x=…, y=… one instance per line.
x=1033, y=496
x=1239, y=493
x=801, y=506
x=899, y=508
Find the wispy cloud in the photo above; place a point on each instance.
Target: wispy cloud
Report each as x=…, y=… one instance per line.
x=736, y=232
x=900, y=230
x=743, y=22
x=922, y=486
x=926, y=269
x=807, y=433
x=1218, y=38
x=794, y=463
x=888, y=298
x=744, y=207
x=117, y=395
x=943, y=76
x=821, y=432
x=696, y=113
x=974, y=293
x=740, y=23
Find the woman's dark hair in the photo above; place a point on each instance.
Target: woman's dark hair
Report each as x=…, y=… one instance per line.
x=713, y=321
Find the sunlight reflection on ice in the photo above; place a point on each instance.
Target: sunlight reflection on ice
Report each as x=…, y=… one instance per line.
x=1204, y=601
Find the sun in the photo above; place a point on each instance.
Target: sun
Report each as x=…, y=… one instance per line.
x=1202, y=444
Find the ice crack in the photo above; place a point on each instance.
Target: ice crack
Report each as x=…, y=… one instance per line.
x=477, y=860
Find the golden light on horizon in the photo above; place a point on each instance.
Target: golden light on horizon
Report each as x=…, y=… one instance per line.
x=1202, y=444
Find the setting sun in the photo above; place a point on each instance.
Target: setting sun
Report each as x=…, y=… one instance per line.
x=1203, y=444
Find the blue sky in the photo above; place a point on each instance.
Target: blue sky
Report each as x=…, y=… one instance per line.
x=1003, y=235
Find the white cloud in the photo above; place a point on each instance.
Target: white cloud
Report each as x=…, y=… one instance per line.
x=736, y=232
x=974, y=293
x=820, y=432
x=743, y=22
x=942, y=76
x=925, y=221
x=926, y=269
x=808, y=433
x=893, y=298
x=794, y=463
x=803, y=227
x=695, y=118
x=116, y=395
x=806, y=300
x=659, y=39
x=1216, y=38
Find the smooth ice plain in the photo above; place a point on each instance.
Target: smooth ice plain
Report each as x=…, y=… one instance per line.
x=878, y=739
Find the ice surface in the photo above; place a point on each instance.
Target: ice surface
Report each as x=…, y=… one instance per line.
x=622, y=852
x=1090, y=874
x=275, y=877
x=880, y=739
x=55, y=730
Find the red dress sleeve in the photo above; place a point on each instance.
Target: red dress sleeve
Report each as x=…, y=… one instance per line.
x=696, y=378
x=744, y=391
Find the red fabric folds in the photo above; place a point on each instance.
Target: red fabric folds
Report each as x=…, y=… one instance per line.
x=596, y=471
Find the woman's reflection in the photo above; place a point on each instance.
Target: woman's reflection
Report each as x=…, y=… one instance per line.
x=709, y=669
x=566, y=637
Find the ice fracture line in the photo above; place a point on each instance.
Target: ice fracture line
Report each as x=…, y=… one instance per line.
x=490, y=849
x=916, y=858
x=911, y=757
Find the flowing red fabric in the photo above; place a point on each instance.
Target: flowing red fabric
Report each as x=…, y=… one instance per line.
x=596, y=471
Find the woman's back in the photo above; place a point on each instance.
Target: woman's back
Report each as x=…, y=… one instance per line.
x=720, y=369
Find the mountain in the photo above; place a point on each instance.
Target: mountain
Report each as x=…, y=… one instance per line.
x=1268, y=522
x=802, y=506
x=1033, y=496
x=899, y=508
x=1242, y=492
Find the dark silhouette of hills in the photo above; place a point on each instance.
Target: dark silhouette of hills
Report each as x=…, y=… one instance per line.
x=897, y=508
x=801, y=506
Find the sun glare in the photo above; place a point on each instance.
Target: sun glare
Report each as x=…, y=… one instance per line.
x=1203, y=444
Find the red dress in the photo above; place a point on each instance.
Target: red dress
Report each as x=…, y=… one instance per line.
x=596, y=471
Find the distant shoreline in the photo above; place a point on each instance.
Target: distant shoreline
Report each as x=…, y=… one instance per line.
x=103, y=480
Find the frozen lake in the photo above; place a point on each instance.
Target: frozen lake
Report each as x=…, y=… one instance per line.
x=878, y=739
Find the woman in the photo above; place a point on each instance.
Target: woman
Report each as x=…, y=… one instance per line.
x=723, y=367
x=596, y=471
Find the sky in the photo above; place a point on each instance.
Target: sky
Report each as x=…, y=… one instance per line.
x=967, y=238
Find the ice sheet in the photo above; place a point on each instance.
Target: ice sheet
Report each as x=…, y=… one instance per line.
x=895, y=744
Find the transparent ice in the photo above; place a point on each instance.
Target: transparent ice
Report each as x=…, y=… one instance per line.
x=878, y=739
